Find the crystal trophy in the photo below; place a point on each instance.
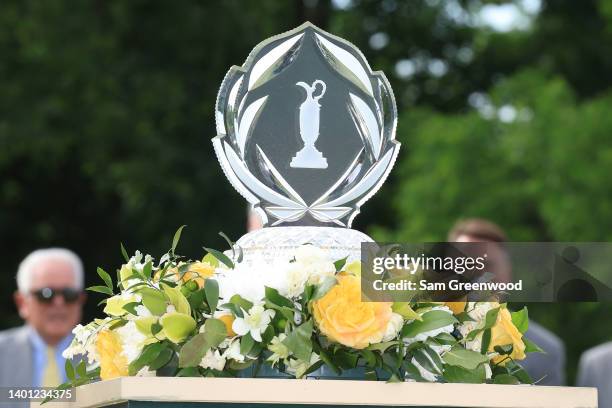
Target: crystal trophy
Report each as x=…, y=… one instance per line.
x=306, y=133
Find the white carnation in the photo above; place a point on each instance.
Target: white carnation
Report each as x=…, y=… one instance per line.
x=132, y=340
x=213, y=359
x=393, y=327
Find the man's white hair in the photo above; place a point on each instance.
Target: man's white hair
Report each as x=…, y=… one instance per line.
x=24, y=274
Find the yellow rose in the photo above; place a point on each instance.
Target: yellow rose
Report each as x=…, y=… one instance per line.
x=456, y=307
x=505, y=332
x=228, y=320
x=113, y=363
x=198, y=272
x=343, y=318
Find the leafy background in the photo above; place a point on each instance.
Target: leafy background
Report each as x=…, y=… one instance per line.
x=106, y=115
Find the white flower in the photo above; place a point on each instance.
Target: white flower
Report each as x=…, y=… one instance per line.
x=255, y=321
x=132, y=340
x=135, y=262
x=84, y=341
x=310, y=254
x=477, y=311
x=315, y=263
x=233, y=352
x=213, y=359
x=296, y=277
x=393, y=327
x=278, y=349
x=142, y=311
x=250, y=281
x=145, y=372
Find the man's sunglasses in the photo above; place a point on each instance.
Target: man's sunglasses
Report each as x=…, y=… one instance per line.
x=46, y=295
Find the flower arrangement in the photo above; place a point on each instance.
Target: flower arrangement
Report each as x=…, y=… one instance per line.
x=222, y=317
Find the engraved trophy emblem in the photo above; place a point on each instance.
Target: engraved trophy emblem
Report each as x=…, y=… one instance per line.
x=309, y=156
x=306, y=129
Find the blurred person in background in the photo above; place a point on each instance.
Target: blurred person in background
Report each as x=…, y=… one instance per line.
x=595, y=370
x=49, y=299
x=547, y=368
x=253, y=220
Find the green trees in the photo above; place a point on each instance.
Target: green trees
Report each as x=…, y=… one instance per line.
x=107, y=110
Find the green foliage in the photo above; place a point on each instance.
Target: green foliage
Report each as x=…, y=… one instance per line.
x=108, y=111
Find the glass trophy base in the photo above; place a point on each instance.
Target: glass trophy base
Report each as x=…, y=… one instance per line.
x=271, y=243
x=309, y=158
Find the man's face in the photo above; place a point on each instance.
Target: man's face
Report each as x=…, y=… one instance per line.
x=53, y=319
x=497, y=258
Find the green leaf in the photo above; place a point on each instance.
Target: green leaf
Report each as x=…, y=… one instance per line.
x=221, y=257
x=346, y=359
x=276, y=298
x=505, y=379
x=192, y=352
x=445, y=339
x=405, y=310
x=177, y=237
x=209, y=258
x=147, y=269
x=69, y=370
x=106, y=278
x=382, y=347
x=178, y=300
x=189, y=372
x=339, y=264
x=299, y=341
x=369, y=358
x=456, y=374
x=464, y=317
x=486, y=341
x=326, y=358
x=214, y=332
x=131, y=307
x=432, y=320
x=101, y=289
x=521, y=320
x=531, y=347
x=149, y=353
x=229, y=241
x=519, y=372
x=458, y=356
x=235, y=309
x=429, y=359
x=196, y=299
x=162, y=359
x=324, y=287
x=124, y=252
x=246, y=344
x=504, y=350
x=241, y=302
x=81, y=369
x=154, y=300
x=491, y=318
x=211, y=289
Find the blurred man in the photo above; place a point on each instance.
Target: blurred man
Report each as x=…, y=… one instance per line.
x=547, y=367
x=594, y=371
x=253, y=220
x=49, y=298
